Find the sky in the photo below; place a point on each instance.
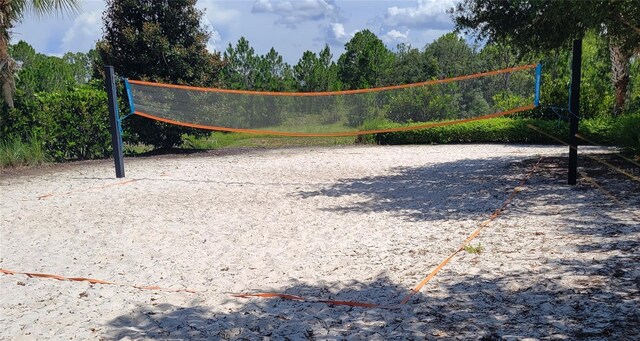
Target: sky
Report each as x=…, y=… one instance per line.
x=290, y=26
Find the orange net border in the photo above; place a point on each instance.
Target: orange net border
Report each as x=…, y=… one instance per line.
x=331, y=93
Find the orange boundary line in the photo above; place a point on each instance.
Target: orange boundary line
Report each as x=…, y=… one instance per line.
x=475, y=233
x=332, y=93
x=433, y=273
x=615, y=199
x=353, y=133
x=617, y=154
x=90, y=280
x=621, y=171
x=414, y=291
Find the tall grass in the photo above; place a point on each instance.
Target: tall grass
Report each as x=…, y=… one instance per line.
x=15, y=152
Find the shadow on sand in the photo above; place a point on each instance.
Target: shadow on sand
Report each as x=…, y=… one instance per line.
x=602, y=303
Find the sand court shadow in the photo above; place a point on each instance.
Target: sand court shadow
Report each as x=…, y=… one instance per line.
x=541, y=292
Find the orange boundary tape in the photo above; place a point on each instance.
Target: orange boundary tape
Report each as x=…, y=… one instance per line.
x=617, y=154
x=615, y=199
x=414, y=291
x=90, y=280
x=351, y=133
x=332, y=93
x=619, y=170
x=475, y=233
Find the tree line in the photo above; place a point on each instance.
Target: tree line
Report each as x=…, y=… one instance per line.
x=164, y=41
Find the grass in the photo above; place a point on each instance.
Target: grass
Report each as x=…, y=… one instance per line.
x=15, y=153
x=223, y=140
x=500, y=130
x=136, y=149
x=474, y=249
x=229, y=140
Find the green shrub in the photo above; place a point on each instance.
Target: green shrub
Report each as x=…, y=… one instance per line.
x=502, y=130
x=14, y=152
x=371, y=124
x=600, y=128
x=71, y=125
x=25, y=120
x=627, y=130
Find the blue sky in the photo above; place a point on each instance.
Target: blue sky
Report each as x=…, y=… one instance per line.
x=291, y=26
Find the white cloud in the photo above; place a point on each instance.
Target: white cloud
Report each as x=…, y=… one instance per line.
x=291, y=13
x=216, y=14
x=214, y=36
x=265, y=23
x=395, y=36
x=430, y=14
x=262, y=6
x=336, y=34
x=83, y=34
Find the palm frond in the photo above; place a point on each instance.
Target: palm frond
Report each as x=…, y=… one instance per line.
x=42, y=7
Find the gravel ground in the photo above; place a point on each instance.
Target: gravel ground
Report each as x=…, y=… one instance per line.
x=360, y=223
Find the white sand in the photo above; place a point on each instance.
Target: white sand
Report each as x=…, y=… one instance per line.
x=347, y=223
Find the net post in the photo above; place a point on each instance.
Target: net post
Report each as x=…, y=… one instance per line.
x=536, y=100
x=127, y=88
x=114, y=121
x=574, y=110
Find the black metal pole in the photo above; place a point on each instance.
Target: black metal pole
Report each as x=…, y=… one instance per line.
x=574, y=110
x=116, y=138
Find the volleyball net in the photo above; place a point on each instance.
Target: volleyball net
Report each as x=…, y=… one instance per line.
x=340, y=113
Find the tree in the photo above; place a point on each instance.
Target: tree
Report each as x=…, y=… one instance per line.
x=240, y=66
x=81, y=64
x=162, y=41
x=12, y=12
x=453, y=55
x=412, y=66
x=317, y=72
x=39, y=72
x=365, y=61
x=273, y=73
x=542, y=25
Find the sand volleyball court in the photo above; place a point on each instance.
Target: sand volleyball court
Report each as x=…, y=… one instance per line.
x=357, y=223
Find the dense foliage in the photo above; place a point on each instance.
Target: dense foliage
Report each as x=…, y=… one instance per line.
x=61, y=112
x=500, y=130
x=11, y=12
x=627, y=133
x=56, y=107
x=69, y=124
x=556, y=24
x=160, y=41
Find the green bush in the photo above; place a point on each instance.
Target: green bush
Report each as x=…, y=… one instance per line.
x=371, y=124
x=493, y=130
x=502, y=130
x=600, y=128
x=627, y=130
x=71, y=125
